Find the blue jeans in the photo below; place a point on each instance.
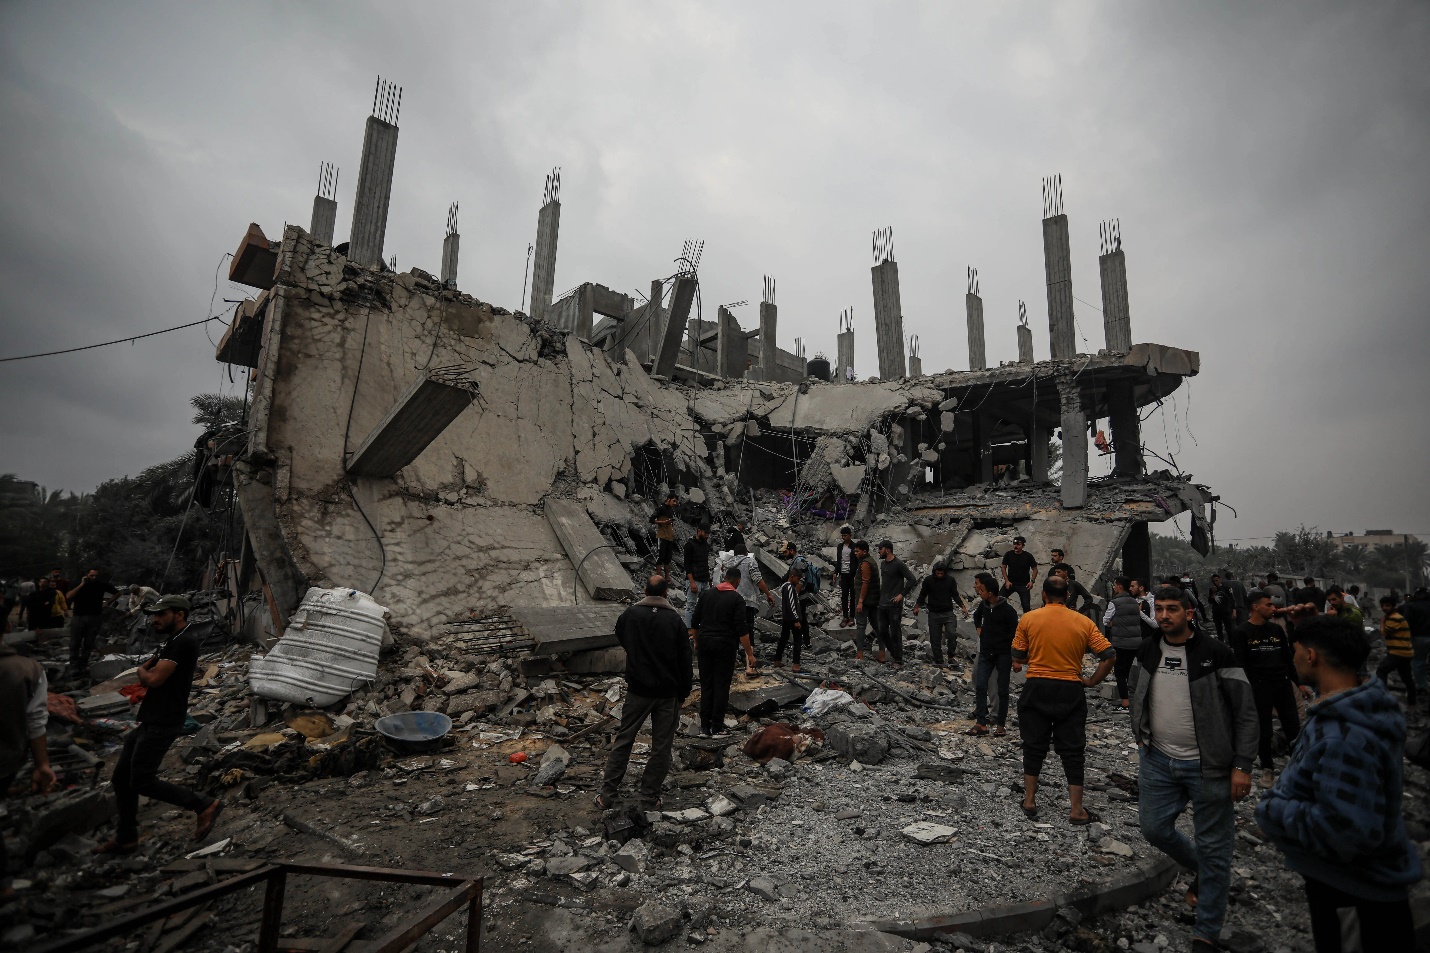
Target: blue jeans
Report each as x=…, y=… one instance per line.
x=693, y=591
x=1166, y=786
x=1417, y=664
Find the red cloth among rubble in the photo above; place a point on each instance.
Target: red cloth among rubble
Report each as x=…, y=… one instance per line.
x=135, y=693
x=63, y=707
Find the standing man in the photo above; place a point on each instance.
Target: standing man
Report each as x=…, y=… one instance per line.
x=793, y=621
x=895, y=582
x=167, y=676
x=27, y=589
x=1280, y=598
x=718, y=628
x=848, y=568
x=1398, y=650
x=1264, y=653
x=1125, y=628
x=1416, y=611
x=23, y=716
x=752, y=586
x=1337, y=606
x=735, y=539
x=88, y=600
x=1079, y=599
x=1238, y=600
x=664, y=520
x=1194, y=719
x=658, y=680
x=1310, y=593
x=697, y=568
x=1052, y=641
x=46, y=608
x=866, y=606
x=1336, y=811
x=939, y=591
x=997, y=622
x=1220, y=598
x=1020, y=571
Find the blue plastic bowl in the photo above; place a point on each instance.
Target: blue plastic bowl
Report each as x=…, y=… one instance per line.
x=414, y=730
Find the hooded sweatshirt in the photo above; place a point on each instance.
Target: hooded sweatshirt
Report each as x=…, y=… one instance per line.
x=1336, y=810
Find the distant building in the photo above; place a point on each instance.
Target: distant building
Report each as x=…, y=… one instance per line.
x=1372, y=538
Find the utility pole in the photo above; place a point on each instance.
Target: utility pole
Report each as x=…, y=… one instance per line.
x=1405, y=544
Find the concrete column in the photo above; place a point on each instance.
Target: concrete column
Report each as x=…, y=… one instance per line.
x=1038, y=438
x=674, y=330
x=450, y=246
x=730, y=347
x=916, y=366
x=888, y=320
x=1057, y=263
x=769, y=322
x=374, y=190
x=1116, y=320
x=1025, y=344
x=846, y=356
x=983, y=429
x=325, y=219
x=585, y=312
x=977, y=349
x=1126, y=428
x=543, y=268
x=1074, y=426
x=1137, y=553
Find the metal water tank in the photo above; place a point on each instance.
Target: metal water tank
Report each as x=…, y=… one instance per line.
x=329, y=649
x=818, y=368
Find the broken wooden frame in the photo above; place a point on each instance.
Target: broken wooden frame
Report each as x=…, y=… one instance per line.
x=464, y=891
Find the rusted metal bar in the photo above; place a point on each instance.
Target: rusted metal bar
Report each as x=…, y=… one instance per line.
x=444, y=906
x=474, y=921
x=272, y=923
x=352, y=872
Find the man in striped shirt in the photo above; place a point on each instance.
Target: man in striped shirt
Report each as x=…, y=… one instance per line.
x=1398, y=651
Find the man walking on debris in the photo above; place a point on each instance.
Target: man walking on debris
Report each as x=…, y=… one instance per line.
x=793, y=621
x=1398, y=650
x=1194, y=720
x=697, y=569
x=1264, y=653
x=1221, y=601
x=658, y=680
x=997, y=622
x=1020, y=571
x=23, y=716
x=939, y=591
x=895, y=581
x=664, y=520
x=718, y=627
x=1336, y=811
x=866, y=606
x=166, y=677
x=752, y=584
x=848, y=568
x=88, y=600
x=1125, y=628
x=1052, y=641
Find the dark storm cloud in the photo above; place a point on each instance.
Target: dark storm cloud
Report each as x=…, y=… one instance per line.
x=1265, y=162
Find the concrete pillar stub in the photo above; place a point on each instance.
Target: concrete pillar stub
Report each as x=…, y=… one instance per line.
x=977, y=347
x=730, y=348
x=769, y=326
x=325, y=219
x=543, y=266
x=1057, y=263
x=450, y=246
x=1116, y=317
x=374, y=191
x=1025, y=344
x=888, y=320
x=846, y=356
x=1126, y=428
x=1074, y=427
x=916, y=366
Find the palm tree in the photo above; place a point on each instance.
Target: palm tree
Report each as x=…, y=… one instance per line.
x=1355, y=557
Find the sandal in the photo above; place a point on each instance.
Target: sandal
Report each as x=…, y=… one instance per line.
x=1092, y=818
x=602, y=802
x=1031, y=813
x=1000, y=732
x=977, y=731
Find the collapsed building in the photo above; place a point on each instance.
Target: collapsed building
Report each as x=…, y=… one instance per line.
x=454, y=457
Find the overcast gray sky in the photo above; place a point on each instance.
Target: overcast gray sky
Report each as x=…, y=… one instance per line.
x=1268, y=163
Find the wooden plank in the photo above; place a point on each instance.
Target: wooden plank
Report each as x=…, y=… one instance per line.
x=601, y=572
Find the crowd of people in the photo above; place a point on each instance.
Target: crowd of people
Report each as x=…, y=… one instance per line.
x=1200, y=698
x=53, y=602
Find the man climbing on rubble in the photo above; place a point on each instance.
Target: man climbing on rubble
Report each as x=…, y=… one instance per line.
x=1020, y=571
x=89, y=599
x=23, y=716
x=1265, y=652
x=1052, y=641
x=794, y=623
x=1194, y=720
x=848, y=568
x=664, y=520
x=697, y=568
x=866, y=606
x=718, y=628
x=1336, y=811
x=997, y=623
x=658, y=680
x=1125, y=628
x=939, y=591
x=895, y=581
x=166, y=677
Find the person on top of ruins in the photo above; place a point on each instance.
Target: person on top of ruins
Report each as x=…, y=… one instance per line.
x=939, y=591
x=848, y=569
x=696, y=558
x=658, y=680
x=719, y=628
x=895, y=581
x=1052, y=709
x=1194, y=720
x=866, y=604
x=1020, y=571
x=1265, y=652
x=664, y=520
x=89, y=599
x=794, y=623
x=996, y=622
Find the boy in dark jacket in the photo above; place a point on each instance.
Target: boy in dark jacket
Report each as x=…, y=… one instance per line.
x=1336, y=810
x=658, y=679
x=997, y=623
x=793, y=621
x=939, y=591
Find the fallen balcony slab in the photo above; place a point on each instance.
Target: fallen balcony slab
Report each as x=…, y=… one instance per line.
x=556, y=630
x=427, y=408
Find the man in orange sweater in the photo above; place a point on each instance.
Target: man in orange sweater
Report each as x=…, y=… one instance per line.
x=1052, y=641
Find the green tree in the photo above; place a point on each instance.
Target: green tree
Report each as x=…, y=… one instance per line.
x=1309, y=552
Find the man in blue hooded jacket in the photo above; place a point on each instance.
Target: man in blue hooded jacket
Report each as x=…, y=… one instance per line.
x=1336, y=810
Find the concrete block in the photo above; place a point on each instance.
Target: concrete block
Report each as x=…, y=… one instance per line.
x=543, y=267
x=428, y=407
x=888, y=320
x=325, y=219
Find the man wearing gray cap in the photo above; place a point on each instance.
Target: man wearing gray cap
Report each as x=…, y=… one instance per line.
x=166, y=678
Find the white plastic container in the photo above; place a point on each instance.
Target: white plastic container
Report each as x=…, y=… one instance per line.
x=329, y=650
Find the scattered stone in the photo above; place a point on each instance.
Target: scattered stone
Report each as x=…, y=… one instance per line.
x=633, y=856
x=429, y=807
x=926, y=832
x=764, y=887
x=655, y=923
x=848, y=814
x=553, y=764
x=1109, y=845
x=691, y=815
x=858, y=742
x=719, y=805
x=778, y=767
x=560, y=866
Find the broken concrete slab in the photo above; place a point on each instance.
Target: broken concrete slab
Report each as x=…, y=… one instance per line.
x=927, y=832
x=866, y=744
x=655, y=923
x=759, y=703
x=96, y=706
x=598, y=568
x=554, y=762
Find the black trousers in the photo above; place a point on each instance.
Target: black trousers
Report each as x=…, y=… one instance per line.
x=137, y=772
x=1122, y=668
x=1401, y=664
x=848, y=594
x=1280, y=694
x=891, y=630
x=7, y=778
x=666, y=552
x=1053, y=710
x=787, y=630
x=1223, y=625
x=84, y=632
x=717, y=668
x=1336, y=916
x=1023, y=594
x=664, y=714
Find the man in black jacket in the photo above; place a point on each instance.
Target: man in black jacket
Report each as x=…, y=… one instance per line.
x=939, y=591
x=719, y=625
x=697, y=568
x=1266, y=655
x=847, y=566
x=997, y=623
x=658, y=680
x=1416, y=611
